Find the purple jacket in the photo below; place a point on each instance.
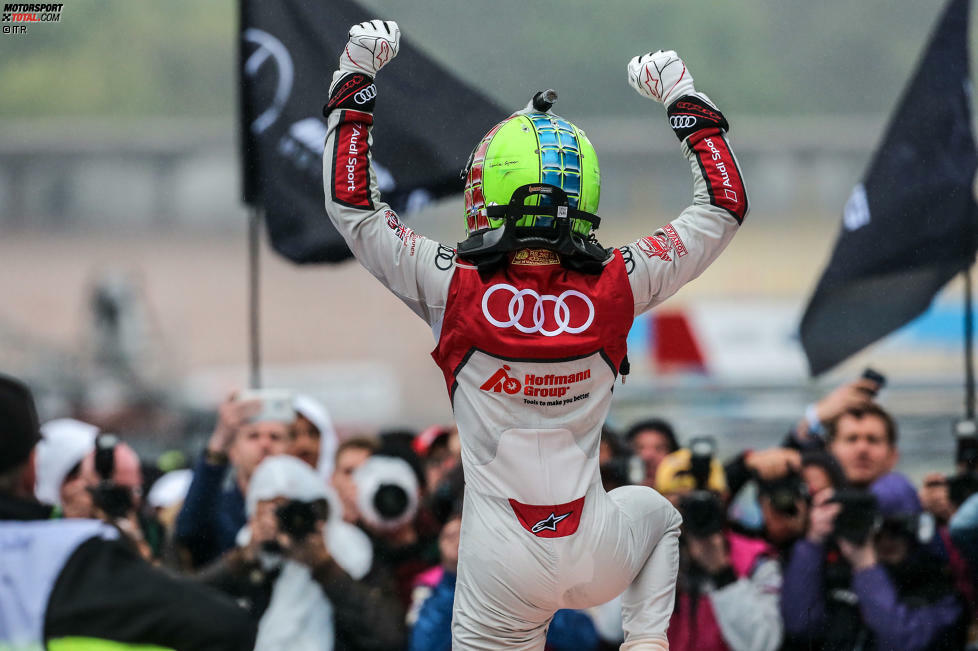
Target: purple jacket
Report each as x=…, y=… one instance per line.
x=893, y=624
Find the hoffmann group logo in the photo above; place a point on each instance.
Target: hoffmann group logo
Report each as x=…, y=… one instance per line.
x=25, y=14
x=537, y=386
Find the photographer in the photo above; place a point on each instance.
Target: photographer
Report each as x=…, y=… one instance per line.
x=861, y=578
x=115, y=481
x=864, y=442
x=651, y=440
x=784, y=496
x=935, y=496
x=441, y=458
x=810, y=431
x=820, y=470
x=304, y=573
x=728, y=586
x=964, y=529
x=784, y=508
x=618, y=464
x=350, y=455
x=247, y=431
x=388, y=494
x=87, y=474
x=952, y=499
x=71, y=583
x=954, y=502
x=313, y=438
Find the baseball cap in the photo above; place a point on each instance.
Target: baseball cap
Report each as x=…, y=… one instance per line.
x=423, y=442
x=284, y=476
x=170, y=489
x=19, y=427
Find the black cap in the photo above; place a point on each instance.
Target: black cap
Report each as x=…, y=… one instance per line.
x=19, y=429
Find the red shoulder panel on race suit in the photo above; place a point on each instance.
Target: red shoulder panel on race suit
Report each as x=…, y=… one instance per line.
x=530, y=354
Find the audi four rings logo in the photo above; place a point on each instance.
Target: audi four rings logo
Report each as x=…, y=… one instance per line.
x=366, y=94
x=561, y=311
x=682, y=121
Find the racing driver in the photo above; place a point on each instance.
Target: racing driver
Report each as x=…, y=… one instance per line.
x=530, y=315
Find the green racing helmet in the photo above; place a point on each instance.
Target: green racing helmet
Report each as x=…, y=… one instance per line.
x=532, y=148
x=533, y=181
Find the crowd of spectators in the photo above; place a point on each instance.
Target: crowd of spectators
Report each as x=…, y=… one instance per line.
x=353, y=543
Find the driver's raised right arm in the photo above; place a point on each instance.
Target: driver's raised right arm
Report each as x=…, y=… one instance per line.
x=414, y=268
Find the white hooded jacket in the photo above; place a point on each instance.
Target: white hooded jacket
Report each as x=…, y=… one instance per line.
x=300, y=616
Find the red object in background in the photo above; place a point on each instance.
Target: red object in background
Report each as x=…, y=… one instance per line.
x=674, y=343
x=426, y=438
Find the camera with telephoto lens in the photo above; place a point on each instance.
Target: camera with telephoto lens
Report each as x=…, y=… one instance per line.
x=919, y=527
x=784, y=493
x=114, y=500
x=387, y=492
x=702, y=514
x=858, y=518
x=623, y=471
x=297, y=519
x=702, y=511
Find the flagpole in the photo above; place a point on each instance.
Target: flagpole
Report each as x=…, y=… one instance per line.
x=250, y=197
x=254, y=308
x=969, y=362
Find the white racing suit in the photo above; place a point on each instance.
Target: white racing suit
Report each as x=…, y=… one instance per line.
x=530, y=355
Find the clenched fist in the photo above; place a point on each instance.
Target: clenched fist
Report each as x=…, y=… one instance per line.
x=371, y=46
x=661, y=76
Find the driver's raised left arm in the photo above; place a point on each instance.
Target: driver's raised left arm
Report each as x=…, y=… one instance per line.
x=659, y=264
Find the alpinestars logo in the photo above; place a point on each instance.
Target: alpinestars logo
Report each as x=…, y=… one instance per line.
x=652, y=83
x=501, y=381
x=549, y=523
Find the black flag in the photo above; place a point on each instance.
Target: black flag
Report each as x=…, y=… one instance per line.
x=909, y=227
x=428, y=121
